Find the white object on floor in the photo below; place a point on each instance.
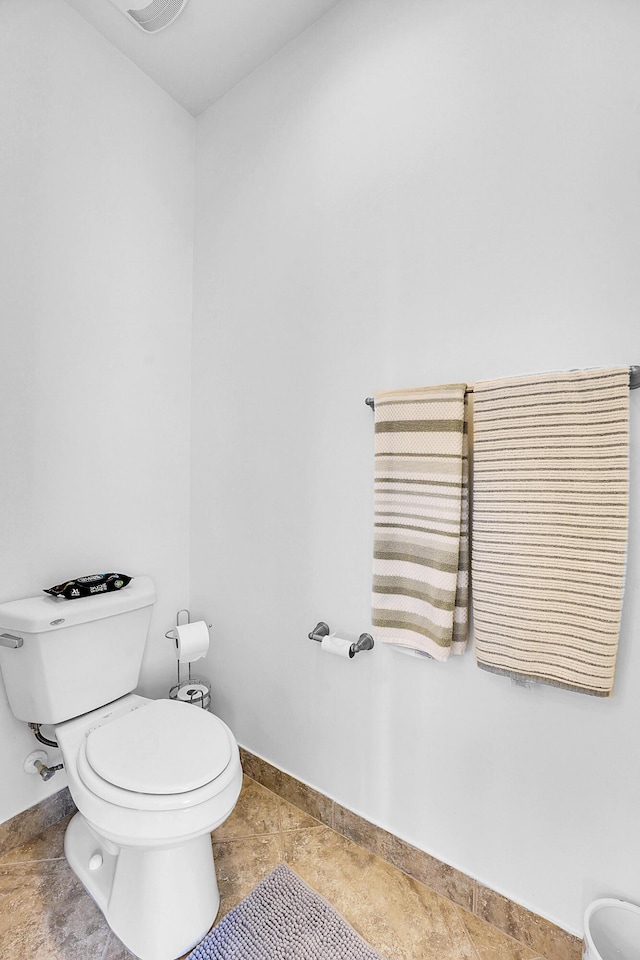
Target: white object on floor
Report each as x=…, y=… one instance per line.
x=611, y=931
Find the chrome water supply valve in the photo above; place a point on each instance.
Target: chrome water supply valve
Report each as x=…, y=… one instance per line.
x=36, y=763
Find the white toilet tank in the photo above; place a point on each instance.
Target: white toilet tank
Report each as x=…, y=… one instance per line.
x=75, y=655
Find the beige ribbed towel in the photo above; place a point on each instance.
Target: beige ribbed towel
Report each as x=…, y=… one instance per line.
x=421, y=539
x=550, y=503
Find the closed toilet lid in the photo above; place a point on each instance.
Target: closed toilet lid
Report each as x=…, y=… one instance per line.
x=165, y=747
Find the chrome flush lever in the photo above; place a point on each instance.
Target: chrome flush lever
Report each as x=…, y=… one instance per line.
x=8, y=640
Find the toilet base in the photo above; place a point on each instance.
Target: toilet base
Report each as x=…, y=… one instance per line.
x=159, y=901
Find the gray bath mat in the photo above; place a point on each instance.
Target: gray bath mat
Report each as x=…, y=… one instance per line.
x=283, y=919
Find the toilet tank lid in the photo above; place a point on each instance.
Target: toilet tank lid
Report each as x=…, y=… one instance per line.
x=43, y=613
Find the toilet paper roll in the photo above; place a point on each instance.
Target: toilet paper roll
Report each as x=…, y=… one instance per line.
x=193, y=641
x=194, y=693
x=336, y=646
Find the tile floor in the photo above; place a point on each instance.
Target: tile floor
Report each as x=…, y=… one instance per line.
x=45, y=914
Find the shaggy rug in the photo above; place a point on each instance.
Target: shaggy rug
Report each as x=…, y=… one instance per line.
x=283, y=919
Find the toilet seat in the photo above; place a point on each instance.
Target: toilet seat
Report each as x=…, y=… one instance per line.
x=166, y=755
x=166, y=747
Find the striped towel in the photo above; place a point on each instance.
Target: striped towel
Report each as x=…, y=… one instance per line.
x=421, y=538
x=550, y=502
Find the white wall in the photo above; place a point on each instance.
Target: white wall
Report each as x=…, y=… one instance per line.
x=412, y=193
x=96, y=207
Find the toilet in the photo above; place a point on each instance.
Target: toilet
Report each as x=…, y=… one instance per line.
x=150, y=778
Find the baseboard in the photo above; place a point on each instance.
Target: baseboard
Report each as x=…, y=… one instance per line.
x=536, y=933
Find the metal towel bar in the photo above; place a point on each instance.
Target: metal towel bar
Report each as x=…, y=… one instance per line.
x=634, y=383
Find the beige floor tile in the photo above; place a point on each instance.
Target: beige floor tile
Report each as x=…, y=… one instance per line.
x=34, y=821
x=286, y=786
x=116, y=950
x=438, y=876
x=256, y=812
x=542, y=936
x=241, y=864
x=492, y=944
x=293, y=818
x=399, y=917
x=48, y=846
x=46, y=914
x=259, y=811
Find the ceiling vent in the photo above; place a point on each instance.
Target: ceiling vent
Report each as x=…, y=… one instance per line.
x=151, y=17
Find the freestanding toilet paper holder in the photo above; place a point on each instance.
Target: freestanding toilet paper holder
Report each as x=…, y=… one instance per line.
x=198, y=691
x=364, y=641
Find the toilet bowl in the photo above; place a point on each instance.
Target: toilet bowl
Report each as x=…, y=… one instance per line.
x=151, y=780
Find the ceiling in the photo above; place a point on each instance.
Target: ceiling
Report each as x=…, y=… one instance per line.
x=211, y=46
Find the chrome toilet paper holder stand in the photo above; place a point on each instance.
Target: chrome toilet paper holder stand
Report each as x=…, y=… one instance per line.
x=201, y=698
x=172, y=635
x=364, y=641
